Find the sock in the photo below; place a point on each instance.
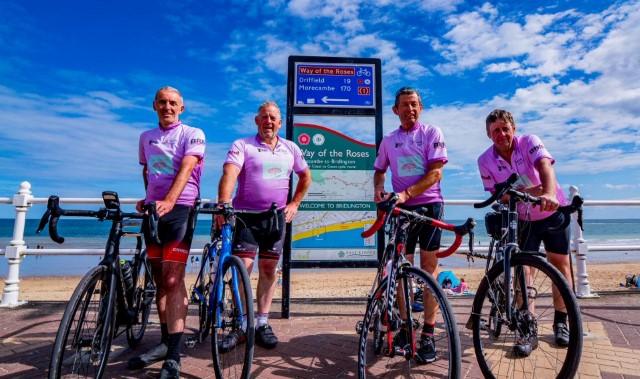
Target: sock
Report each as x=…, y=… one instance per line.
x=164, y=330
x=262, y=319
x=428, y=329
x=559, y=316
x=174, y=346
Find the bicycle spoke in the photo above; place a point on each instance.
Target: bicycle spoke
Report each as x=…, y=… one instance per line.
x=387, y=353
x=525, y=345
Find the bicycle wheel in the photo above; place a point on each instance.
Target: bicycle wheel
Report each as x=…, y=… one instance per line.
x=203, y=284
x=144, y=292
x=233, y=316
x=495, y=354
x=83, y=341
x=378, y=357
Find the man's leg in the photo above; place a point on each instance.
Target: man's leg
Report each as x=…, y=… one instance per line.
x=159, y=351
x=429, y=263
x=266, y=288
x=561, y=262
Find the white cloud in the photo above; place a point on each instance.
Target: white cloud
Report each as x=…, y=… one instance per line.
x=618, y=187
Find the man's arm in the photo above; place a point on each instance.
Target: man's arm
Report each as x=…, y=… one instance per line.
x=547, y=191
x=228, y=179
x=227, y=183
x=187, y=165
x=140, y=203
x=378, y=186
x=304, y=181
x=433, y=176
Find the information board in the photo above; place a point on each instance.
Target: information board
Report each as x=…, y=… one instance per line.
x=339, y=204
x=334, y=85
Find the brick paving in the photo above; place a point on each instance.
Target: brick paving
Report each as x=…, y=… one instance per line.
x=317, y=341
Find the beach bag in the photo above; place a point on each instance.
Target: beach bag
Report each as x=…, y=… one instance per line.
x=493, y=223
x=632, y=281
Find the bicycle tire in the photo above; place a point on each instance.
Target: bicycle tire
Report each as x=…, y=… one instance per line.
x=375, y=360
x=495, y=354
x=90, y=322
x=235, y=363
x=142, y=298
x=203, y=285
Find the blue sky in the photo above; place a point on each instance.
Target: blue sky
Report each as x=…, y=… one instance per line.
x=77, y=81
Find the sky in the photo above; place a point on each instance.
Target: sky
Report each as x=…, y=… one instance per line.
x=77, y=80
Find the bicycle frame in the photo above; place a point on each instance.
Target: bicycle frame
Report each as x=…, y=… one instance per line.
x=220, y=248
x=511, y=239
x=397, y=224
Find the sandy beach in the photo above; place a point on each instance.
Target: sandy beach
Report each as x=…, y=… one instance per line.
x=328, y=283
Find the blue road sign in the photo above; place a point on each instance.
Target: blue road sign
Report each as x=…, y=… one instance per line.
x=334, y=85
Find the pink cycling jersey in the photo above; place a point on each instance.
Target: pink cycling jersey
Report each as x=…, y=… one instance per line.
x=527, y=150
x=408, y=154
x=264, y=175
x=162, y=150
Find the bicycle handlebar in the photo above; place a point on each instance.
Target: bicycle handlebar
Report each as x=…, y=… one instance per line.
x=227, y=209
x=506, y=188
x=54, y=211
x=388, y=207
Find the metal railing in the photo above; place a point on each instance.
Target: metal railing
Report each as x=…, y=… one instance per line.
x=23, y=200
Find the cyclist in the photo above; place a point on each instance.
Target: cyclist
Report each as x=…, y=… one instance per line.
x=416, y=154
x=172, y=156
x=527, y=156
x=262, y=164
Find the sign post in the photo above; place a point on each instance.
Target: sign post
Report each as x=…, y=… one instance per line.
x=339, y=204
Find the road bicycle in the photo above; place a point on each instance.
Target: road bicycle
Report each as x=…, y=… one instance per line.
x=113, y=294
x=224, y=296
x=513, y=310
x=389, y=311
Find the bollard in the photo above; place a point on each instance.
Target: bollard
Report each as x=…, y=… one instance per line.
x=580, y=248
x=13, y=252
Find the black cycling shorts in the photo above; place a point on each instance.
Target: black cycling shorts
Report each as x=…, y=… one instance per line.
x=532, y=233
x=176, y=234
x=257, y=234
x=428, y=235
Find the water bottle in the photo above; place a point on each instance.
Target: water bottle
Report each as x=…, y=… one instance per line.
x=126, y=274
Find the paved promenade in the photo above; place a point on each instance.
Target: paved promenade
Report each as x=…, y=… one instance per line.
x=318, y=341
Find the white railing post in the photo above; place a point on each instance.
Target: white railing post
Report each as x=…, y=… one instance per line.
x=580, y=248
x=13, y=252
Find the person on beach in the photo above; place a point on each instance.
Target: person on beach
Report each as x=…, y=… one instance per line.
x=527, y=156
x=262, y=164
x=172, y=156
x=416, y=154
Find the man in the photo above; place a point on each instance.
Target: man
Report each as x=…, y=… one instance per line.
x=172, y=157
x=262, y=164
x=416, y=154
x=527, y=156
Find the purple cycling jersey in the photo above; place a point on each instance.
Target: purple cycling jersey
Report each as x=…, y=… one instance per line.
x=527, y=150
x=264, y=173
x=408, y=154
x=162, y=150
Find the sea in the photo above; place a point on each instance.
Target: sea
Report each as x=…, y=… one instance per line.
x=92, y=234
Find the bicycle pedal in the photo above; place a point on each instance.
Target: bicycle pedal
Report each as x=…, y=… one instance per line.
x=190, y=342
x=359, y=327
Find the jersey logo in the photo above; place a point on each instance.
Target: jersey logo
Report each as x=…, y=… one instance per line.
x=197, y=141
x=438, y=145
x=410, y=166
x=275, y=170
x=500, y=168
x=399, y=144
x=485, y=177
x=536, y=148
x=160, y=165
